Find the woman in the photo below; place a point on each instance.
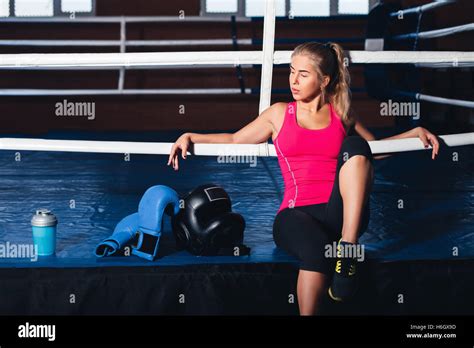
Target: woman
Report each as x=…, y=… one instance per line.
x=327, y=168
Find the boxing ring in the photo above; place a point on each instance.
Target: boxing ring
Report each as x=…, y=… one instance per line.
x=409, y=250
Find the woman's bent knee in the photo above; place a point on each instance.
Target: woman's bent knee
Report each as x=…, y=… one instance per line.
x=355, y=145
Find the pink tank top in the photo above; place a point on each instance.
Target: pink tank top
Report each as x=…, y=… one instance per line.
x=308, y=159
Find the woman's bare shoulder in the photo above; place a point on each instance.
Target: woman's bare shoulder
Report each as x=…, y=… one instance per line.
x=277, y=116
x=280, y=105
x=278, y=109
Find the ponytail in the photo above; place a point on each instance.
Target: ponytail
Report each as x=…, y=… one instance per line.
x=340, y=89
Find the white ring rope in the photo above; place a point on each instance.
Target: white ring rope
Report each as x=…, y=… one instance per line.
x=145, y=67
x=437, y=33
x=128, y=43
x=440, y=100
x=128, y=91
x=151, y=148
x=422, y=8
x=219, y=58
x=444, y=65
x=446, y=31
x=267, y=57
x=126, y=19
x=202, y=42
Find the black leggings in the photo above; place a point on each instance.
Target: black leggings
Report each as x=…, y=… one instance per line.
x=306, y=230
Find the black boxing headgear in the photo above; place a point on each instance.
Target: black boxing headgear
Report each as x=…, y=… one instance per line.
x=206, y=224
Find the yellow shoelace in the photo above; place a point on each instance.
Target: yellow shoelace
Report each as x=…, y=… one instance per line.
x=352, y=268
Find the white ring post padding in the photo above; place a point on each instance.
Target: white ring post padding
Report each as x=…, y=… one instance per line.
x=377, y=146
x=217, y=58
x=123, y=38
x=268, y=47
x=267, y=59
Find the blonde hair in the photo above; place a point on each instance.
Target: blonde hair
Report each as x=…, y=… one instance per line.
x=329, y=60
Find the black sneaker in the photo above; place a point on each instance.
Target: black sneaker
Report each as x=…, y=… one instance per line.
x=344, y=283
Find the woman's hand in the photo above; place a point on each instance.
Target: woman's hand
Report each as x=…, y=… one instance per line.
x=428, y=139
x=182, y=143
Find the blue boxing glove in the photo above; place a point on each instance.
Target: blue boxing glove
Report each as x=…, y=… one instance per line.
x=124, y=234
x=156, y=201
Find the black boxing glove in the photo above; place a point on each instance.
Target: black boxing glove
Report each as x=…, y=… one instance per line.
x=207, y=226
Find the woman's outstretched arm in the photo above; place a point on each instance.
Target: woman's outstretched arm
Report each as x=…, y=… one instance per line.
x=425, y=136
x=257, y=131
